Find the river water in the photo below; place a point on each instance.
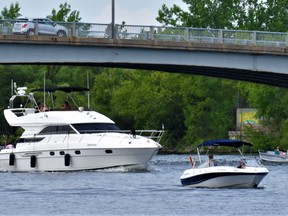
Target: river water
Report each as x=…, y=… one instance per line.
x=157, y=191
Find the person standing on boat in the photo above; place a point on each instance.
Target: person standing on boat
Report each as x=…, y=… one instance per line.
x=211, y=161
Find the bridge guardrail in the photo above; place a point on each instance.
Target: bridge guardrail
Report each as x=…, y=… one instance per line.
x=165, y=33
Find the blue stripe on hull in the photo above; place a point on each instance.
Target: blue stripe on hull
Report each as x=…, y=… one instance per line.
x=208, y=176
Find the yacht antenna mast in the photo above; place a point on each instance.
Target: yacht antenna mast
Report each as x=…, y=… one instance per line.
x=12, y=87
x=44, y=89
x=88, y=86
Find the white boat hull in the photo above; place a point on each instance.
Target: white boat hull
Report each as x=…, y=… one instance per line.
x=223, y=176
x=270, y=156
x=87, y=159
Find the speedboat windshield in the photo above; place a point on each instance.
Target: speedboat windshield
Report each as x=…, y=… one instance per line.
x=95, y=127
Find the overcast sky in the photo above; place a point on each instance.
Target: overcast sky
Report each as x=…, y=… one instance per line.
x=133, y=12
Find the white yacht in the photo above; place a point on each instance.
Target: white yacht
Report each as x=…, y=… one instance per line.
x=211, y=174
x=70, y=140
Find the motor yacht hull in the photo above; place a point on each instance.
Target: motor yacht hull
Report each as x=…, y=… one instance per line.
x=78, y=159
x=223, y=176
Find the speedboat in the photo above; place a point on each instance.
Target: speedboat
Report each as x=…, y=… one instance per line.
x=71, y=139
x=270, y=156
x=223, y=175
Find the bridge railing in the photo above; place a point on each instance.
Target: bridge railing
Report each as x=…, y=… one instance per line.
x=90, y=30
x=164, y=33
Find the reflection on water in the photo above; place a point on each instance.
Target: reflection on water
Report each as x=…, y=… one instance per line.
x=157, y=191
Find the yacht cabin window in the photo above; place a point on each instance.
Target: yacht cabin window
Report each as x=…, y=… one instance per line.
x=96, y=127
x=61, y=129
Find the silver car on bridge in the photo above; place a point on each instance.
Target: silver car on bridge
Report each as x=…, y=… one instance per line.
x=40, y=26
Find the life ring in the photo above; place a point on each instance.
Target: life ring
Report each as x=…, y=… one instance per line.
x=191, y=161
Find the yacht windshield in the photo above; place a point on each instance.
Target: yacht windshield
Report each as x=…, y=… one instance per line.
x=57, y=129
x=95, y=127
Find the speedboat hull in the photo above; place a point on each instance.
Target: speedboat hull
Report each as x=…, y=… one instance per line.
x=223, y=176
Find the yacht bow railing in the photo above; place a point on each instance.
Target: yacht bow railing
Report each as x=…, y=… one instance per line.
x=164, y=33
x=156, y=135
x=151, y=134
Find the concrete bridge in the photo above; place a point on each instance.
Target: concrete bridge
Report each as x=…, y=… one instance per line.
x=217, y=55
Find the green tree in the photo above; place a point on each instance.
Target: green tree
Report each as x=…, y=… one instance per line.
x=141, y=100
x=65, y=14
x=271, y=104
x=191, y=108
x=12, y=12
x=209, y=108
x=269, y=15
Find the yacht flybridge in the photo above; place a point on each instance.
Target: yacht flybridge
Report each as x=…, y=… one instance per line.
x=71, y=139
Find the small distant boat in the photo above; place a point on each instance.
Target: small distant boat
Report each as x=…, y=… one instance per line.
x=270, y=156
x=227, y=176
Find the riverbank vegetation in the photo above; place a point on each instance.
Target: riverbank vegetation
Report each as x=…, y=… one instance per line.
x=192, y=108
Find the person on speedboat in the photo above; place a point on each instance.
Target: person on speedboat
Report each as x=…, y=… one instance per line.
x=242, y=165
x=44, y=107
x=66, y=106
x=211, y=161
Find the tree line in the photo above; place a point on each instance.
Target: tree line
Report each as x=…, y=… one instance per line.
x=192, y=108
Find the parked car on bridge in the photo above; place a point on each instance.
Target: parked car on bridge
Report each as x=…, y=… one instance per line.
x=45, y=27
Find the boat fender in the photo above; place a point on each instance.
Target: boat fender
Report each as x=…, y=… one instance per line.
x=191, y=161
x=11, y=159
x=33, y=161
x=67, y=159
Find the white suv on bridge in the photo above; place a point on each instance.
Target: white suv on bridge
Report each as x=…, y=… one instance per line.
x=45, y=27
